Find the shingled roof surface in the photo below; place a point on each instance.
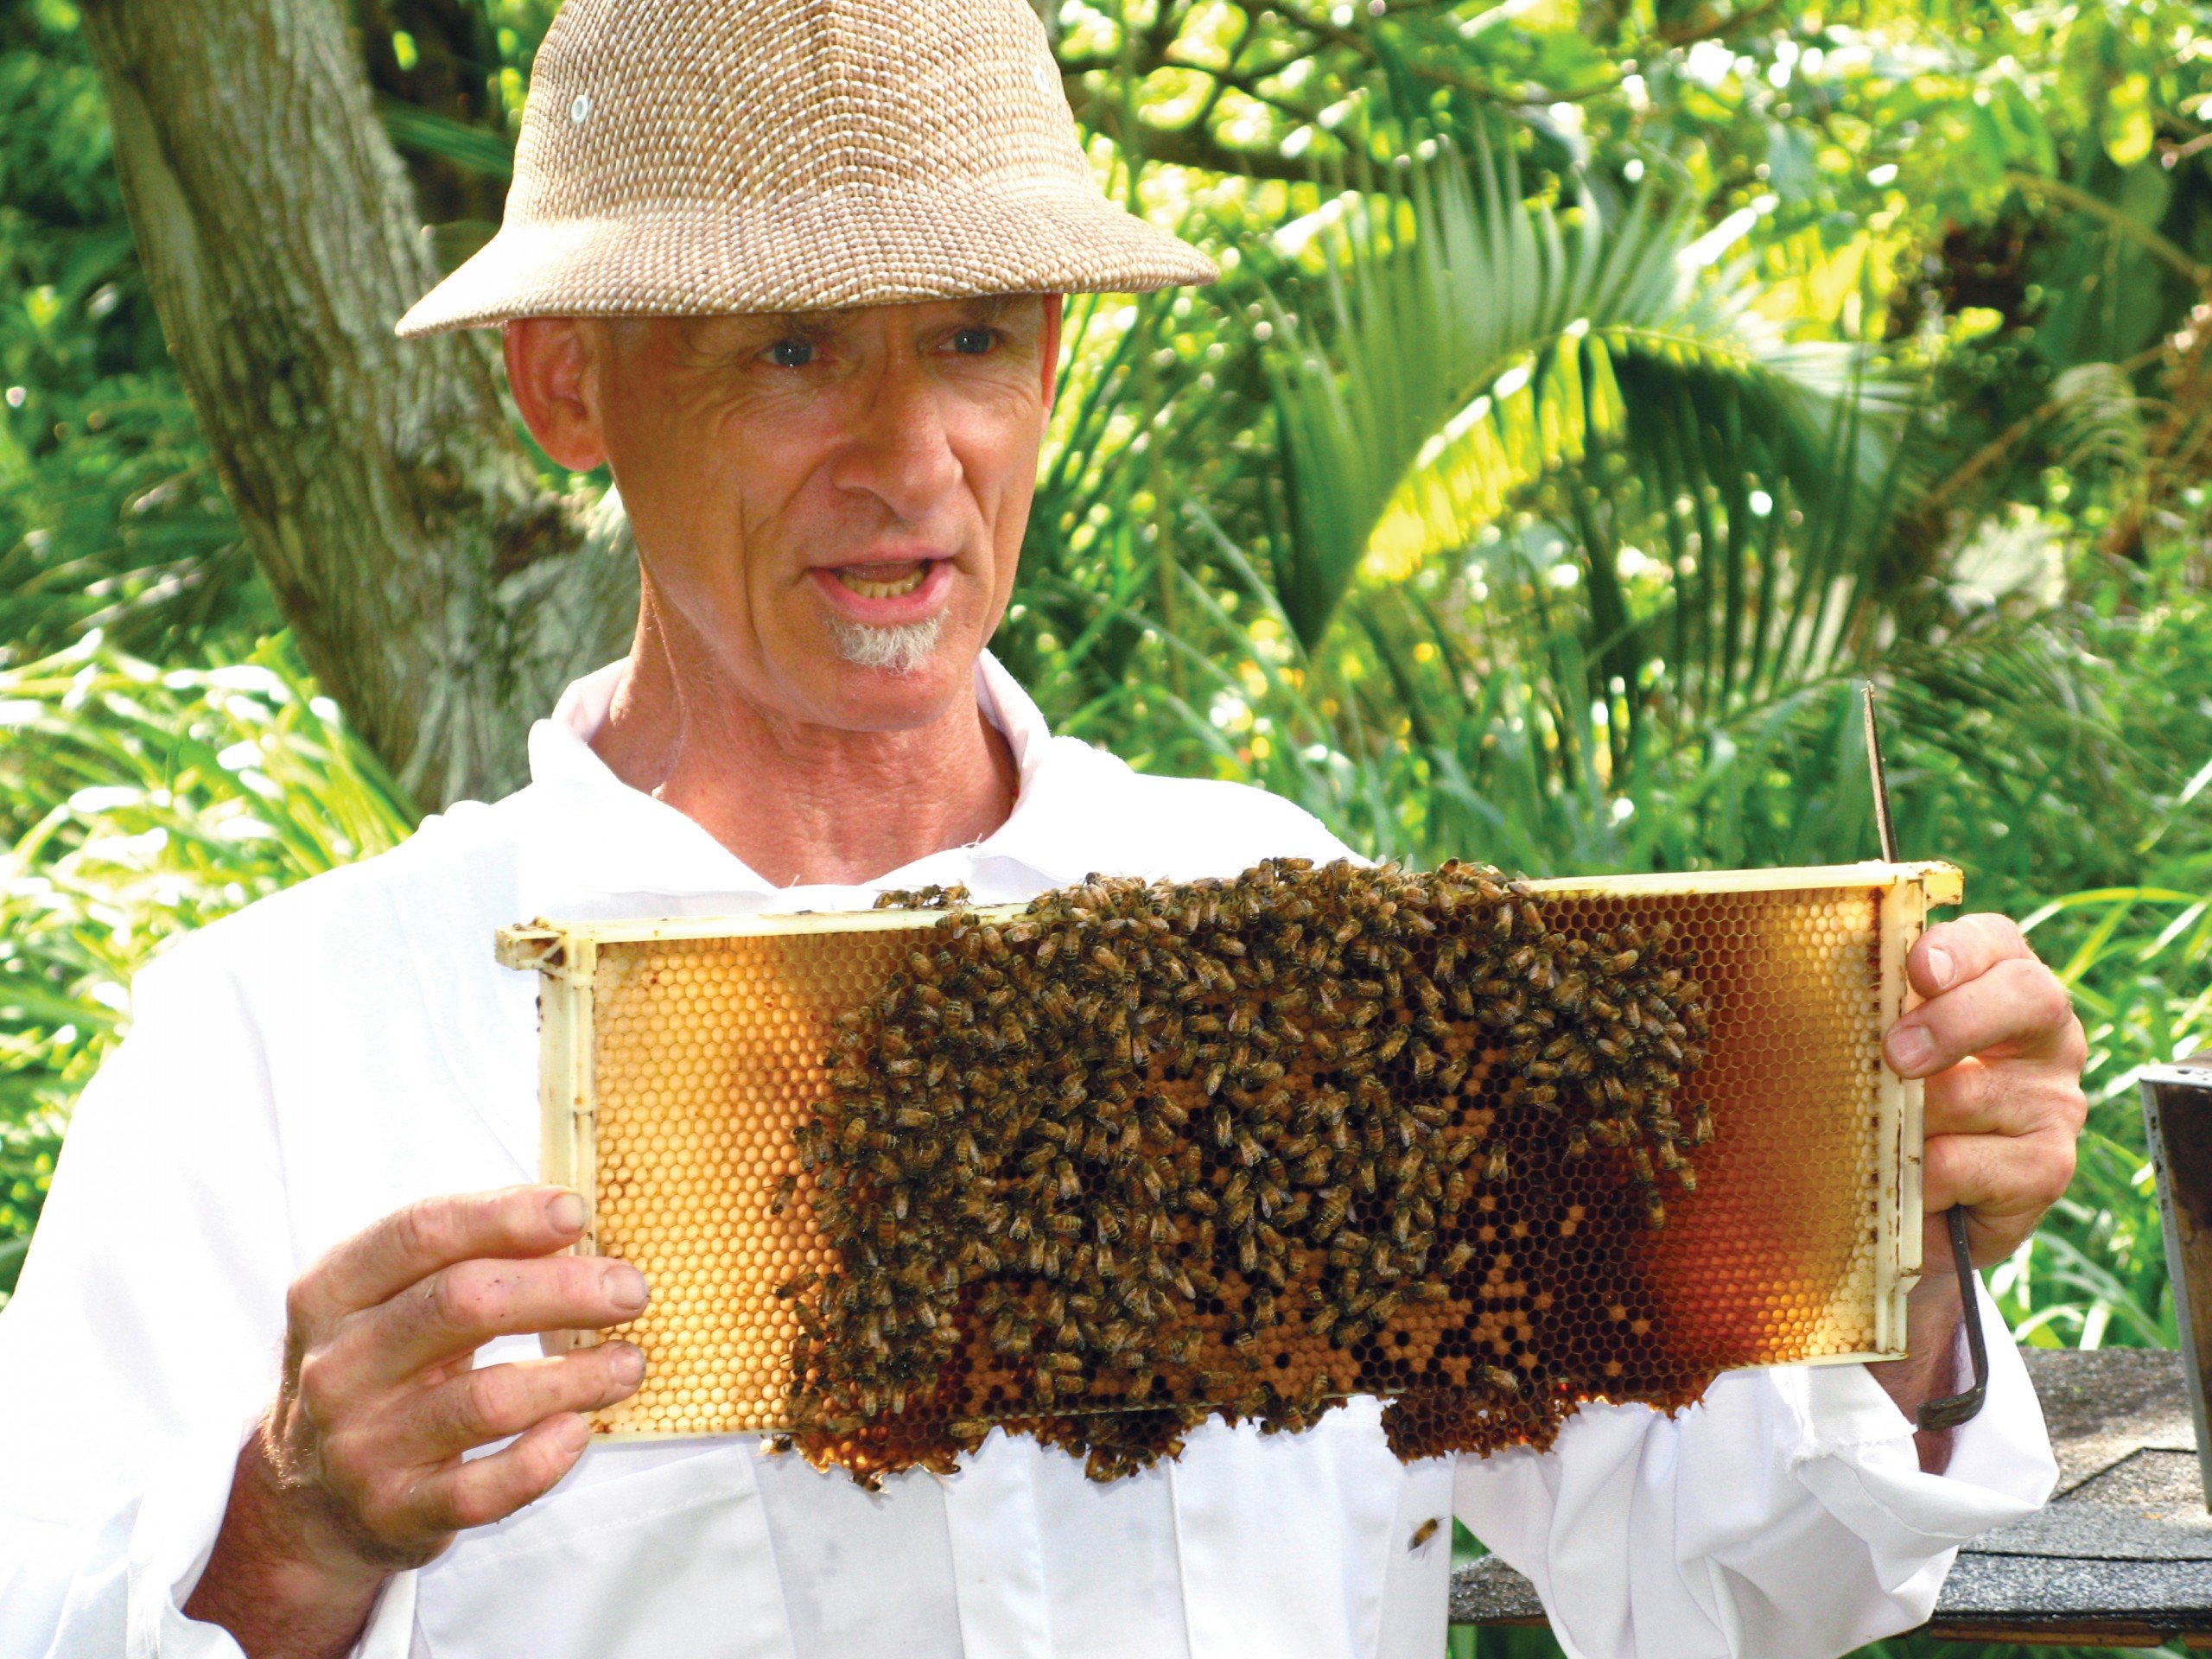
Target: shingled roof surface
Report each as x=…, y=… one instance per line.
x=2123, y=1549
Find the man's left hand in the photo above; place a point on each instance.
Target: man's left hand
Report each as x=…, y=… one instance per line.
x=2002, y=1053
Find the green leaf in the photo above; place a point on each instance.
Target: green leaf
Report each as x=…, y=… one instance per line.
x=1481, y=354
x=478, y=149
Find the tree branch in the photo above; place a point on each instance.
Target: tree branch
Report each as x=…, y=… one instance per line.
x=1185, y=146
x=1713, y=28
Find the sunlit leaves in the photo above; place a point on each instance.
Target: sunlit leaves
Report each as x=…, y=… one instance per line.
x=1477, y=344
x=136, y=803
x=109, y=511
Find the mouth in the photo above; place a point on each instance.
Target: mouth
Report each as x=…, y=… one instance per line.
x=886, y=592
x=892, y=579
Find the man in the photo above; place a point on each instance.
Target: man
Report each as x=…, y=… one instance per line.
x=282, y=1319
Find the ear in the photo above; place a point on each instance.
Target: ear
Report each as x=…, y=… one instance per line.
x=549, y=364
x=1054, y=305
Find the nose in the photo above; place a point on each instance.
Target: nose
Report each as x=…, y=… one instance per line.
x=898, y=449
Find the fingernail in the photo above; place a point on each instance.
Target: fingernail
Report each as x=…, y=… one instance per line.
x=1909, y=1048
x=573, y=1435
x=628, y=1365
x=624, y=1287
x=1941, y=967
x=567, y=1213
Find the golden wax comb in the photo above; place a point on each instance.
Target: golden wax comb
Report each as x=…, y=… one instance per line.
x=1097, y=1167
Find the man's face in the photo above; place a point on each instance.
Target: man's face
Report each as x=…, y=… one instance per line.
x=830, y=507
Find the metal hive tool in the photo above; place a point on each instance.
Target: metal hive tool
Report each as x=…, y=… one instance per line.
x=828, y=1264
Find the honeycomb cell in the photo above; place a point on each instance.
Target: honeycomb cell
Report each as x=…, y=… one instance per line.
x=694, y=1046
x=1137, y=1155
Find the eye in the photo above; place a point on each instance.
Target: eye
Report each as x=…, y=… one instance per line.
x=974, y=342
x=792, y=353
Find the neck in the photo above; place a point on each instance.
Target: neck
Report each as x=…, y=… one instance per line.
x=800, y=803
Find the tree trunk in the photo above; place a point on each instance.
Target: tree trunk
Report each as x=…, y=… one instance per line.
x=437, y=589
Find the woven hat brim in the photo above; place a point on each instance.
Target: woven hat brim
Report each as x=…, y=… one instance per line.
x=832, y=253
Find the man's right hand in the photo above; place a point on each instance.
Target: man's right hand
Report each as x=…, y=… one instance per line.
x=358, y=1471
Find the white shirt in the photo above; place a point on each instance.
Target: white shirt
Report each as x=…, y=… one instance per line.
x=307, y=1066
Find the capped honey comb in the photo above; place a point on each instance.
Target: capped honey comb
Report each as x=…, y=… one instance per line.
x=1098, y=1168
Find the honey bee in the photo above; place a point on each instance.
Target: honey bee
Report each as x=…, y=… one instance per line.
x=1225, y=991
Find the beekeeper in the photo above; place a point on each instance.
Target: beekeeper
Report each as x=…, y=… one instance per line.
x=793, y=270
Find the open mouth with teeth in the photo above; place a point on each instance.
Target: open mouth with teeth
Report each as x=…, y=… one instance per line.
x=891, y=580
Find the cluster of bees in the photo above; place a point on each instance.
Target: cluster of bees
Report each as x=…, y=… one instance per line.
x=1149, y=1153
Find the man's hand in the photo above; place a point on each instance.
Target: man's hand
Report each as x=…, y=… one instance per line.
x=358, y=1471
x=2002, y=1053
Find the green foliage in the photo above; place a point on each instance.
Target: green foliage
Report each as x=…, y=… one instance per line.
x=1482, y=344
x=111, y=515
x=139, y=802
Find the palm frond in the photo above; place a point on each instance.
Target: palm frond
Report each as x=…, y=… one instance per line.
x=2097, y=417
x=1476, y=344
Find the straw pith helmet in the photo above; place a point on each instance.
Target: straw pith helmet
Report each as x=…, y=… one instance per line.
x=690, y=157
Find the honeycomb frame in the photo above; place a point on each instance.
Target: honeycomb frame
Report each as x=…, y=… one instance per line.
x=593, y=974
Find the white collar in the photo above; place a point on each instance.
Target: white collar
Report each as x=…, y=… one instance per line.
x=612, y=849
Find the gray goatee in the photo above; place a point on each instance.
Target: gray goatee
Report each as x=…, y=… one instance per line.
x=898, y=648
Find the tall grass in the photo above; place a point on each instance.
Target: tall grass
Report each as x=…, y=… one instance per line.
x=139, y=802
